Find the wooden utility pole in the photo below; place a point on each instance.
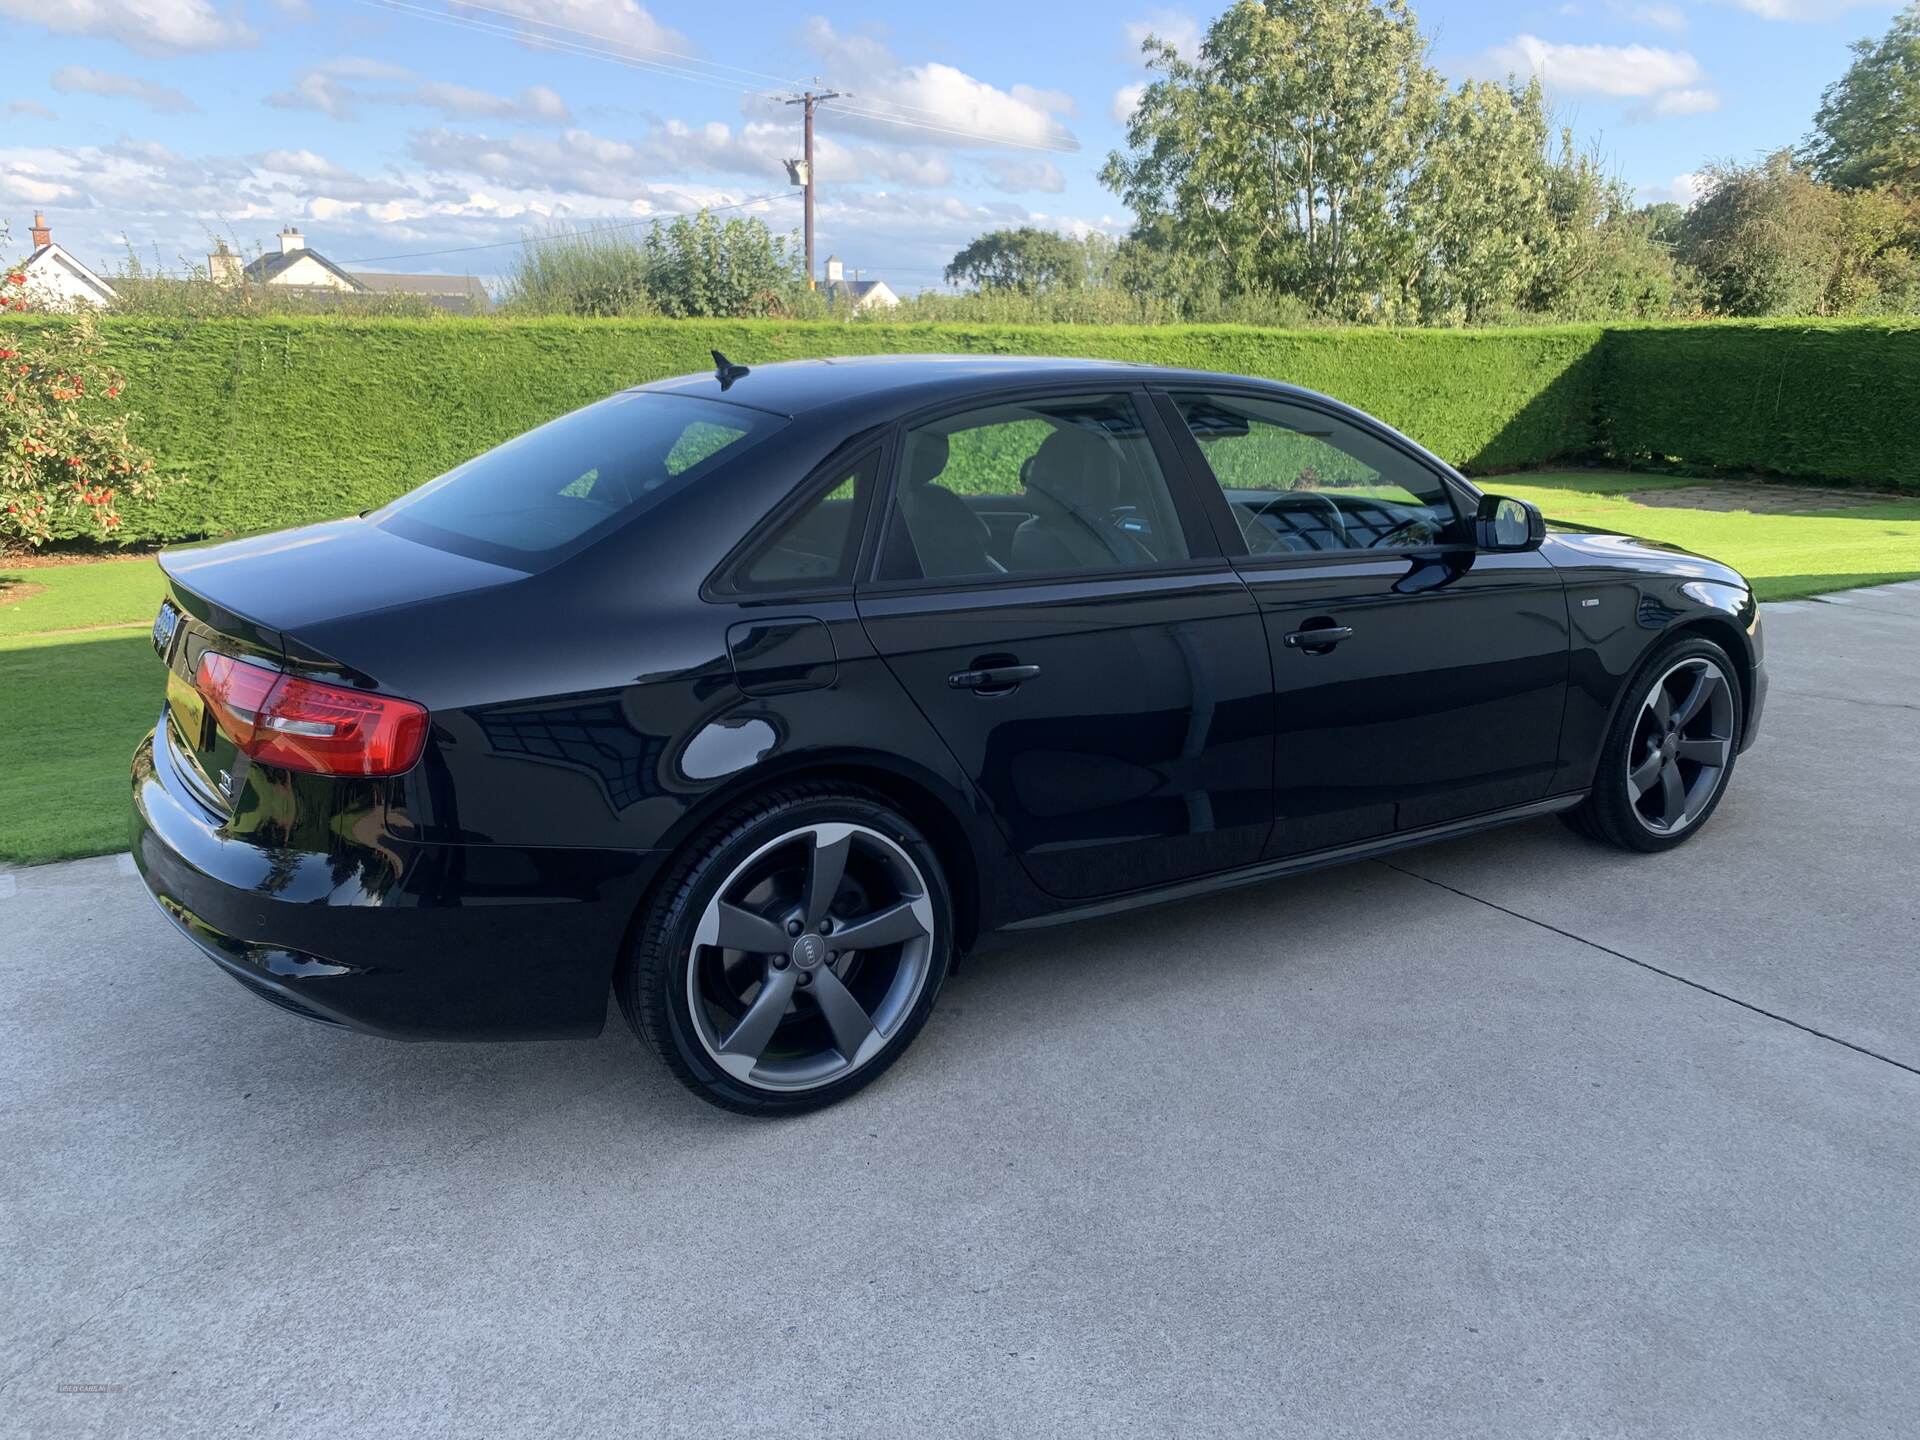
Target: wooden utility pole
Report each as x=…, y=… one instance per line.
x=802, y=172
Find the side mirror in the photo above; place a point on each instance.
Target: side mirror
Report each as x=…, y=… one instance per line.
x=1504, y=523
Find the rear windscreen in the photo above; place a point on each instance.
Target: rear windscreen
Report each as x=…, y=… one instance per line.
x=556, y=489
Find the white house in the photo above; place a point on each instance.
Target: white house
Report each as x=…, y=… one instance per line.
x=859, y=294
x=299, y=267
x=57, y=281
x=296, y=265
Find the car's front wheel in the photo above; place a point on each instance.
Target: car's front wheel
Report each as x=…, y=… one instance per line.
x=1669, y=753
x=793, y=951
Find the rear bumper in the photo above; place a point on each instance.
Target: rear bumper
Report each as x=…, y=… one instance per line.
x=417, y=942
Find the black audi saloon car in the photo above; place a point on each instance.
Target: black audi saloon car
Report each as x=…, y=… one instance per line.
x=759, y=696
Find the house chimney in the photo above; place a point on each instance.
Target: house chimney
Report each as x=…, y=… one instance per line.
x=291, y=240
x=835, y=271
x=40, y=234
x=223, y=266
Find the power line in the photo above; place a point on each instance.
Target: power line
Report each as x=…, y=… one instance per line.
x=786, y=81
x=627, y=44
x=682, y=71
x=584, y=231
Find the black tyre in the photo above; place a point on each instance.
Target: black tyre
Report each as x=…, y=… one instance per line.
x=1669, y=752
x=792, y=951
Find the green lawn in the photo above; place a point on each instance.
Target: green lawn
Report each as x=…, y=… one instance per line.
x=1786, y=556
x=36, y=599
x=75, y=698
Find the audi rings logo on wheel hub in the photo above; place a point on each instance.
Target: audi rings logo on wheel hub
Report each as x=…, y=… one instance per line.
x=808, y=951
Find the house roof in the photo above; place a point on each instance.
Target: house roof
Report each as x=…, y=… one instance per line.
x=449, y=292
x=268, y=266
x=858, y=289
x=55, y=254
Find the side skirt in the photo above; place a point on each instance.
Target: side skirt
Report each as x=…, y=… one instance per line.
x=1300, y=864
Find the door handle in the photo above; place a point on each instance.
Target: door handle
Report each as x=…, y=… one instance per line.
x=1323, y=638
x=994, y=679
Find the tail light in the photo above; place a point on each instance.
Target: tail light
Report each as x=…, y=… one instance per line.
x=282, y=719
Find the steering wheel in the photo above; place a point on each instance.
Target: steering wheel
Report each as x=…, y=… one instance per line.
x=1421, y=530
x=1339, y=521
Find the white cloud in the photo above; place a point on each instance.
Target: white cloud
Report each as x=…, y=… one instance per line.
x=932, y=103
x=339, y=88
x=153, y=27
x=1170, y=27
x=1670, y=18
x=30, y=108
x=581, y=161
x=1017, y=175
x=161, y=99
x=461, y=190
x=1619, y=70
x=578, y=21
x=1804, y=9
x=1680, y=190
x=1125, y=99
x=1677, y=102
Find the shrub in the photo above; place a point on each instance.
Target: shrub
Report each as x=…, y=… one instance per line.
x=65, y=456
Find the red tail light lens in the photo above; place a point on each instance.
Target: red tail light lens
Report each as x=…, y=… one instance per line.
x=281, y=719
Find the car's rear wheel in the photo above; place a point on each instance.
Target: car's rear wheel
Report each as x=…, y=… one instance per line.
x=1669, y=753
x=793, y=951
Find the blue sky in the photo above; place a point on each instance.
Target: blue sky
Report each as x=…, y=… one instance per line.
x=406, y=133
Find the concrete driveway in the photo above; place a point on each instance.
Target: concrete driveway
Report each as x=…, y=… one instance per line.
x=1513, y=1136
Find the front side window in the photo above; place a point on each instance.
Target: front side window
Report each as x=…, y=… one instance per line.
x=1040, y=486
x=554, y=490
x=1300, y=481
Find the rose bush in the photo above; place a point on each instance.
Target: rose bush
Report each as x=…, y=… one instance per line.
x=64, y=450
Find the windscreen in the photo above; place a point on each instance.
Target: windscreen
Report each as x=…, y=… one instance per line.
x=556, y=489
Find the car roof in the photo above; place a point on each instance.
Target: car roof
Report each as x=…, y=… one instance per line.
x=888, y=385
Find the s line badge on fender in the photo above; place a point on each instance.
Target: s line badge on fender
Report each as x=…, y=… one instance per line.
x=761, y=696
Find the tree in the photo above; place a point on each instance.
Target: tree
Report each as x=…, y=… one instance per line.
x=1763, y=238
x=1866, y=133
x=1603, y=258
x=1030, y=260
x=1478, y=204
x=1285, y=152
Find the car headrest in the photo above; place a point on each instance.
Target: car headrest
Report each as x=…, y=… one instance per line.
x=926, y=456
x=1075, y=467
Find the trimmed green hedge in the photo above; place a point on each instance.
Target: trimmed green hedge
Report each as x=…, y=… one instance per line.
x=272, y=422
x=264, y=423
x=1817, y=400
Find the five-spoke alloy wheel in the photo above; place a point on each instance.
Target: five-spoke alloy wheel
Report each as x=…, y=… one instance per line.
x=1670, y=751
x=796, y=956
x=1680, y=745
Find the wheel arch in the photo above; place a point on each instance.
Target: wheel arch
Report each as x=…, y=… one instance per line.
x=1728, y=637
x=1708, y=626
x=931, y=803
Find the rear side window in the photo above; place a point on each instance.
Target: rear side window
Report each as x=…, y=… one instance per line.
x=554, y=490
x=817, y=546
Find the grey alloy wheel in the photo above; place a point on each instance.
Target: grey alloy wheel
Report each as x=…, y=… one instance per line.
x=1680, y=746
x=810, y=957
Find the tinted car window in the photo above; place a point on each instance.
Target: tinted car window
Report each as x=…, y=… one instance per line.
x=554, y=490
x=818, y=545
x=1300, y=480
x=1046, y=485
